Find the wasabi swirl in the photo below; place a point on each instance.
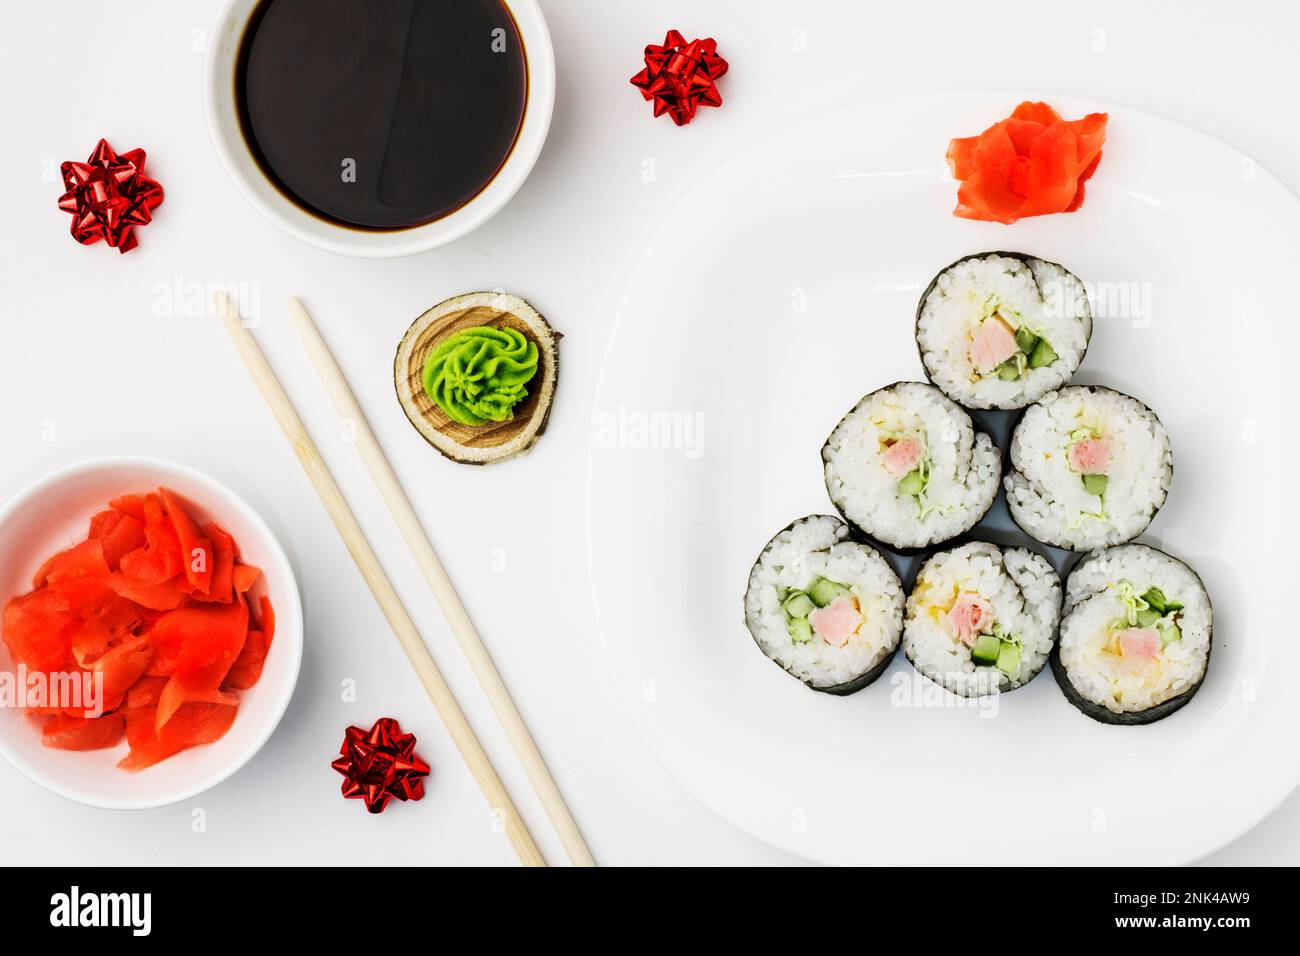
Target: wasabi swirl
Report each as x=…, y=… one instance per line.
x=478, y=375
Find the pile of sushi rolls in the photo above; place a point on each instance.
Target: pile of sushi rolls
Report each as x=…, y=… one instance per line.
x=828, y=610
x=1090, y=468
x=982, y=619
x=1001, y=329
x=907, y=467
x=1135, y=641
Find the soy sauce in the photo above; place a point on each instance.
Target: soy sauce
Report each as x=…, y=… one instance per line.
x=381, y=114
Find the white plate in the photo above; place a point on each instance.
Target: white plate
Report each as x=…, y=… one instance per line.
x=783, y=289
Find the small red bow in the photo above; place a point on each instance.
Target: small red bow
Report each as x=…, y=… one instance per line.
x=380, y=764
x=679, y=76
x=108, y=195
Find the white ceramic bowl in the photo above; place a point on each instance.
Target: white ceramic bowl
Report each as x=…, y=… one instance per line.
x=53, y=514
x=266, y=198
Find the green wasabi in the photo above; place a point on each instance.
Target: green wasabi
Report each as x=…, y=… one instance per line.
x=478, y=375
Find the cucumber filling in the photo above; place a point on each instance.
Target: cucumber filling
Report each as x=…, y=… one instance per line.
x=997, y=649
x=1034, y=352
x=1043, y=355
x=1009, y=659
x=823, y=592
x=798, y=604
x=1150, y=609
x=800, y=630
x=1095, y=484
x=914, y=485
x=986, y=649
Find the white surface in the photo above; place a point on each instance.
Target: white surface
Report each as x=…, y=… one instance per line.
x=228, y=140
x=52, y=514
x=608, y=177
x=809, y=304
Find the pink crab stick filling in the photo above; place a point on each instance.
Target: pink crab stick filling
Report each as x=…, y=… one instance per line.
x=1140, y=643
x=1090, y=456
x=837, y=622
x=994, y=343
x=902, y=456
x=970, y=616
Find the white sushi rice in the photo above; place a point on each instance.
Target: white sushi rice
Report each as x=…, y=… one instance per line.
x=965, y=467
x=1048, y=499
x=1025, y=594
x=1094, y=606
x=1041, y=295
x=814, y=547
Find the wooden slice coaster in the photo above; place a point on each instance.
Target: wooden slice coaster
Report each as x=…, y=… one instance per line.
x=494, y=441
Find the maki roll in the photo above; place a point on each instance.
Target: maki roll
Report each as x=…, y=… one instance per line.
x=1135, y=642
x=1090, y=468
x=907, y=467
x=1000, y=329
x=982, y=619
x=828, y=610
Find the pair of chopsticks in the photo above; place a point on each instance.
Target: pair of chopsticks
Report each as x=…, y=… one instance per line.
x=389, y=602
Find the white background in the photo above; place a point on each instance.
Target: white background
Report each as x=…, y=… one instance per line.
x=100, y=356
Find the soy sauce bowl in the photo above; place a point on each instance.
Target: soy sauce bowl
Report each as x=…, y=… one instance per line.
x=268, y=199
x=52, y=514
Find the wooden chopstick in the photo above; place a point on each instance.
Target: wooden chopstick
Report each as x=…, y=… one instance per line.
x=443, y=590
x=368, y=563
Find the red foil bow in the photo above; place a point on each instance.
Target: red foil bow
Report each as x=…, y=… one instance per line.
x=108, y=195
x=679, y=76
x=380, y=764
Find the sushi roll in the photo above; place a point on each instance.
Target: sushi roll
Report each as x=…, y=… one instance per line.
x=1135, y=641
x=982, y=619
x=828, y=610
x=907, y=467
x=1090, y=468
x=1001, y=329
